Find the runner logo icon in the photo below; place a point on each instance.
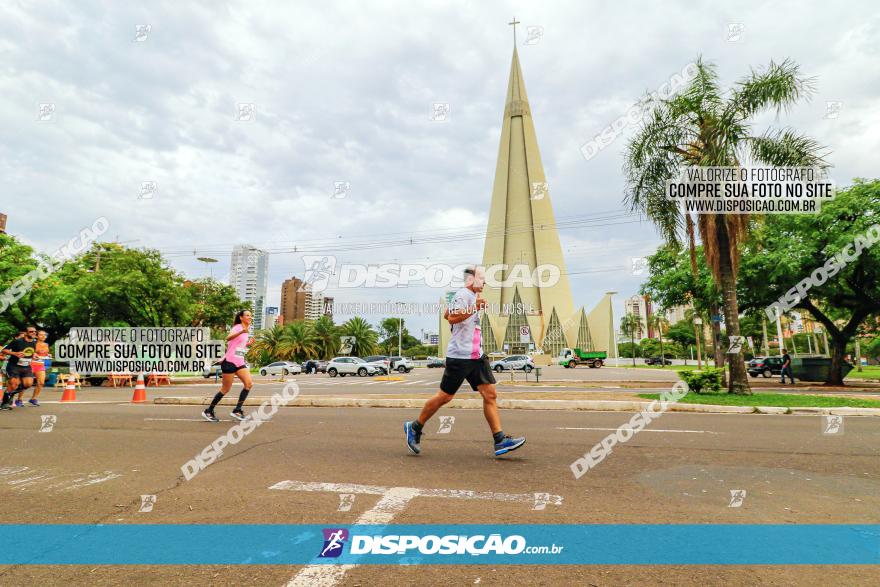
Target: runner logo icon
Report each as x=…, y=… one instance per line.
x=334, y=541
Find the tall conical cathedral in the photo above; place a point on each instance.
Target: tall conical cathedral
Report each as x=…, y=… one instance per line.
x=522, y=233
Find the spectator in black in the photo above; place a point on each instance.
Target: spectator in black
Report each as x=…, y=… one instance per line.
x=786, y=367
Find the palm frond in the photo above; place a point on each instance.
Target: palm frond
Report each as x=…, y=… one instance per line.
x=779, y=86
x=786, y=148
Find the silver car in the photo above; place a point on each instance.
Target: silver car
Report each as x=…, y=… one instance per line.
x=513, y=363
x=343, y=366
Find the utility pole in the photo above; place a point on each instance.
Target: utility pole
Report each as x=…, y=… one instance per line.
x=766, y=342
x=399, y=336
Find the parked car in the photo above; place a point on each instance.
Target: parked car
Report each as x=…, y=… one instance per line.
x=343, y=366
x=435, y=362
x=281, y=368
x=513, y=363
x=766, y=366
x=657, y=361
x=212, y=370
x=317, y=366
x=401, y=364
x=381, y=362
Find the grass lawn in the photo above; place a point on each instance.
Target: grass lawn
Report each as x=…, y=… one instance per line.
x=868, y=372
x=783, y=400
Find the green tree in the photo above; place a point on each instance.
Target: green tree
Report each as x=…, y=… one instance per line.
x=706, y=126
x=113, y=286
x=213, y=304
x=16, y=260
x=659, y=323
x=297, y=341
x=364, y=336
x=629, y=348
x=682, y=332
x=268, y=344
x=326, y=336
x=788, y=248
x=629, y=325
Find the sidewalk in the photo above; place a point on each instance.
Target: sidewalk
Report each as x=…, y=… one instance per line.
x=570, y=401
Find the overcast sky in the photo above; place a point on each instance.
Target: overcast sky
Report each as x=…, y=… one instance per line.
x=343, y=91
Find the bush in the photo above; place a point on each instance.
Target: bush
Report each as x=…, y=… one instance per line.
x=706, y=381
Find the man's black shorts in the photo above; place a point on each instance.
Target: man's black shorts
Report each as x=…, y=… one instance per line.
x=230, y=367
x=475, y=371
x=16, y=372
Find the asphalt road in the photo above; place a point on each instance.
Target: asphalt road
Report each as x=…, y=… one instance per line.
x=100, y=458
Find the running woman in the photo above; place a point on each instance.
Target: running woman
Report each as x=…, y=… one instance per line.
x=233, y=366
x=18, y=369
x=465, y=361
x=38, y=366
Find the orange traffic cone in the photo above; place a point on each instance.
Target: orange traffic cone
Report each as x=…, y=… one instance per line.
x=69, y=394
x=140, y=392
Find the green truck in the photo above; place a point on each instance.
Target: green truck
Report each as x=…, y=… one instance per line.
x=571, y=358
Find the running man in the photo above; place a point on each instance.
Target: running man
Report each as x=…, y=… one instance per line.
x=38, y=366
x=465, y=361
x=233, y=366
x=18, y=369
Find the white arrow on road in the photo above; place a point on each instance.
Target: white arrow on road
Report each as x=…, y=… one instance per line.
x=392, y=502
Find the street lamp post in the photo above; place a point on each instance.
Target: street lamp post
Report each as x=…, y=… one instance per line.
x=698, y=334
x=209, y=262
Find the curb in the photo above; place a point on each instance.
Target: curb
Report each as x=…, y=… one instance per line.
x=523, y=404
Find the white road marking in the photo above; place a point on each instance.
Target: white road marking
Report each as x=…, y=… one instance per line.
x=183, y=420
x=39, y=478
x=392, y=502
x=92, y=479
x=12, y=470
x=646, y=430
x=105, y=401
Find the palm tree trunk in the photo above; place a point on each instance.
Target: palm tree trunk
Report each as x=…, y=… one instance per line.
x=739, y=379
x=633, y=339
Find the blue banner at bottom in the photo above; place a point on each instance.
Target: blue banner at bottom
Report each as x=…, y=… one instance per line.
x=470, y=544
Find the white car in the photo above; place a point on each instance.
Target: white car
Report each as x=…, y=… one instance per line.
x=343, y=366
x=281, y=368
x=513, y=363
x=401, y=364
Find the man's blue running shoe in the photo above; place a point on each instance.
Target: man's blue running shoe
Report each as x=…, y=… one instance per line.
x=413, y=438
x=508, y=444
x=34, y=402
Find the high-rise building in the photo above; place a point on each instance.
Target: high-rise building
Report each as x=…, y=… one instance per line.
x=640, y=307
x=294, y=299
x=314, y=304
x=271, y=317
x=676, y=314
x=521, y=237
x=2, y=223
x=328, y=307
x=249, y=275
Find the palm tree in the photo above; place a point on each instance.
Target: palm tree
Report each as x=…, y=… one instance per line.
x=297, y=342
x=326, y=336
x=704, y=126
x=658, y=321
x=691, y=315
x=268, y=343
x=365, y=337
x=629, y=324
